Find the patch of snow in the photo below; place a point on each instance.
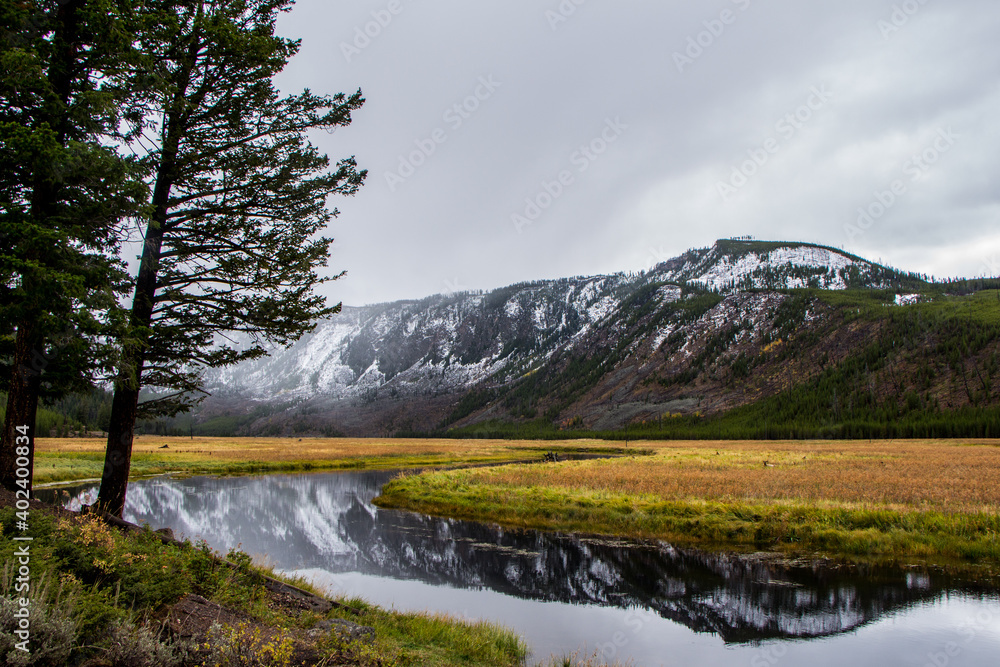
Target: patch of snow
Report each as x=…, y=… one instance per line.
x=539, y=317
x=725, y=271
x=601, y=308
x=661, y=336
x=669, y=293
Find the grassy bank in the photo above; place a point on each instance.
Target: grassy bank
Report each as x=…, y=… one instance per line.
x=101, y=596
x=68, y=459
x=933, y=500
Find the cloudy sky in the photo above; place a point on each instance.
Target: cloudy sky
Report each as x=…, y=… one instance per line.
x=512, y=140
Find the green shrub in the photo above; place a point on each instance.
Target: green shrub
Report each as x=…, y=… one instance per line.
x=245, y=646
x=138, y=646
x=50, y=618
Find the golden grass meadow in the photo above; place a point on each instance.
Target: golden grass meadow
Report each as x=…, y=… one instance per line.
x=919, y=499
x=961, y=476
x=69, y=459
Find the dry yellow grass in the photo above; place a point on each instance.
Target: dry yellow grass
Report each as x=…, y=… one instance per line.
x=310, y=449
x=930, y=501
x=281, y=449
x=951, y=476
x=68, y=459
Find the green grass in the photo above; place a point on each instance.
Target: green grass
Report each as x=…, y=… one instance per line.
x=52, y=467
x=435, y=640
x=787, y=526
x=982, y=307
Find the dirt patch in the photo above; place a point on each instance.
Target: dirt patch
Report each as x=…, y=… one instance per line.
x=193, y=616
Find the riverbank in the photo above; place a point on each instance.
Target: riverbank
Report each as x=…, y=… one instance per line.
x=101, y=596
x=104, y=595
x=919, y=501
x=77, y=459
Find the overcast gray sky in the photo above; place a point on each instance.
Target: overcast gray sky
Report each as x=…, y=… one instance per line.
x=511, y=140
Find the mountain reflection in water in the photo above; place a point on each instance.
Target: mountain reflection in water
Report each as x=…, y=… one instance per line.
x=328, y=522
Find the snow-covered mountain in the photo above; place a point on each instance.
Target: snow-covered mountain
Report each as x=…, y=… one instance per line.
x=457, y=341
x=447, y=345
x=438, y=344
x=730, y=265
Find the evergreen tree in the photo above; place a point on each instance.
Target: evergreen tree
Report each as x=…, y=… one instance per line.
x=64, y=194
x=239, y=196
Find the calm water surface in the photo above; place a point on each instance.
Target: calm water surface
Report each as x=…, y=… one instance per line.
x=645, y=602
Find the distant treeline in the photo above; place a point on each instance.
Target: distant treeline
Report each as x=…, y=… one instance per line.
x=741, y=425
x=78, y=414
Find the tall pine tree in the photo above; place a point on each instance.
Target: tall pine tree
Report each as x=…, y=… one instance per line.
x=65, y=195
x=238, y=200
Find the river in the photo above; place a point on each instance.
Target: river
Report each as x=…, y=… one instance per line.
x=647, y=602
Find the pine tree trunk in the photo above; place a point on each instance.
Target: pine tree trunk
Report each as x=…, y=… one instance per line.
x=124, y=408
x=118, y=457
x=125, y=405
x=22, y=407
